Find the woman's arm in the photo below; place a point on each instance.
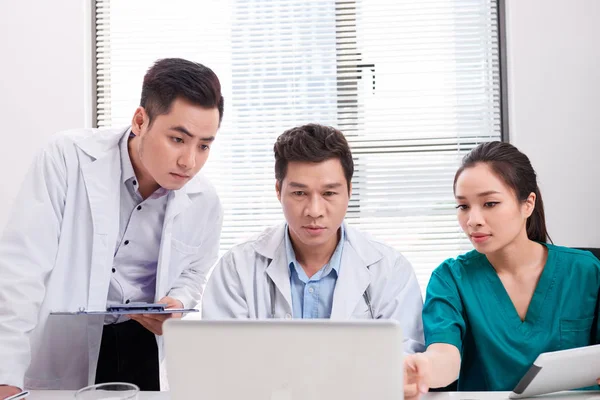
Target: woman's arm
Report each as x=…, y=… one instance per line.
x=437, y=367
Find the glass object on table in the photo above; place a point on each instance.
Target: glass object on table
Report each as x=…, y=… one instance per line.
x=108, y=391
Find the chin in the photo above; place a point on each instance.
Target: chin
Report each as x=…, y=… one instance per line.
x=486, y=249
x=170, y=186
x=315, y=241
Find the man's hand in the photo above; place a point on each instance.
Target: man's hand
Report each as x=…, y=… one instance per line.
x=7, y=391
x=154, y=322
x=417, y=370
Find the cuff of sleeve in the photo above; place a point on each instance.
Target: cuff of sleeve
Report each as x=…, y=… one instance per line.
x=412, y=346
x=445, y=339
x=12, y=380
x=181, y=295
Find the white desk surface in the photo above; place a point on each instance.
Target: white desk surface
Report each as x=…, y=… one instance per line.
x=580, y=395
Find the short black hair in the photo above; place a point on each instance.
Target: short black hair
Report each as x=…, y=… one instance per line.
x=172, y=78
x=312, y=143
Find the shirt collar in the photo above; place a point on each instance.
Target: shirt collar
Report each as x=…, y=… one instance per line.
x=334, y=262
x=127, y=172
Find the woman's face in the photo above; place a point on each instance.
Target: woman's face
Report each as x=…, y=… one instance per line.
x=489, y=211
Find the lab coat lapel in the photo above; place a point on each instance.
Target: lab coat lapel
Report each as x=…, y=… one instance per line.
x=279, y=272
x=352, y=282
x=272, y=246
x=102, y=179
x=177, y=201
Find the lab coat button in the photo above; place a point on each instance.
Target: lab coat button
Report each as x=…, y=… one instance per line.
x=288, y=316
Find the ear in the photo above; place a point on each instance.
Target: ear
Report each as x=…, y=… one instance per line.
x=278, y=190
x=529, y=205
x=139, y=121
x=350, y=190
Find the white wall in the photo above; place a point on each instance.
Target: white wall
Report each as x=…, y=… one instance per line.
x=44, y=81
x=554, y=108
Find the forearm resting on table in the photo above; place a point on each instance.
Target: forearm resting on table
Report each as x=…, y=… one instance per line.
x=445, y=364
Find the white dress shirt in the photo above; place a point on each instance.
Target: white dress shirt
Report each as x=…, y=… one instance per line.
x=136, y=251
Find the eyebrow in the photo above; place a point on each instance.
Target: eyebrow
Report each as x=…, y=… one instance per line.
x=298, y=185
x=181, y=129
x=303, y=186
x=482, y=194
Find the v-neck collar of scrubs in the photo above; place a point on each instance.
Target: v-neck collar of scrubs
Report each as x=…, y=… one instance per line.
x=536, y=309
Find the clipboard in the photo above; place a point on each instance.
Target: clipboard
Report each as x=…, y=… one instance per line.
x=560, y=370
x=129, y=309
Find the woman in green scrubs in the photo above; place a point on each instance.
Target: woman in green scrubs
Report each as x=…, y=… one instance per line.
x=489, y=313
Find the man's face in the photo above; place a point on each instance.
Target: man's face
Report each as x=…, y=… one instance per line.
x=314, y=197
x=175, y=147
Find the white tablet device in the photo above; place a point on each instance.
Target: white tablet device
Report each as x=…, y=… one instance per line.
x=284, y=360
x=560, y=370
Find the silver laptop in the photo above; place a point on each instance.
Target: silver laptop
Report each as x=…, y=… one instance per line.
x=284, y=360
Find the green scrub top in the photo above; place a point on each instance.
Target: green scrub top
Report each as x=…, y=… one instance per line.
x=467, y=306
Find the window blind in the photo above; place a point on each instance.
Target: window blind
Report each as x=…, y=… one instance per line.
x=414, y=85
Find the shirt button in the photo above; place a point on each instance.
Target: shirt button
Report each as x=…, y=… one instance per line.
x=288, y=316
x=114, y=270
x=134, y=182
x=126, y=242
x=311, y=289
x=139, y=207
x=127, y=302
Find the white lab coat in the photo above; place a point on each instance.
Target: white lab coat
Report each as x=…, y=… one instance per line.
x=57, y=250
x=240, y=287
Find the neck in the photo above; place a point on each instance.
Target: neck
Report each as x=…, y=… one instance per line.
x=147, y=185
x=518, y=257
x=313, y=258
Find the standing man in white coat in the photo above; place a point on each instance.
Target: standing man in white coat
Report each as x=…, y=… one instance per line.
x=314, y=265
x=107, y=217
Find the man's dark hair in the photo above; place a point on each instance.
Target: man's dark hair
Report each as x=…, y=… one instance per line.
x=172, y=78
x=312, y=143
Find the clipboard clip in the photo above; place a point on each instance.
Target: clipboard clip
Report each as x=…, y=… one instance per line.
x=148, y=307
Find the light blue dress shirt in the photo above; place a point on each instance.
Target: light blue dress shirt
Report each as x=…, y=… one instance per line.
x=313, y=297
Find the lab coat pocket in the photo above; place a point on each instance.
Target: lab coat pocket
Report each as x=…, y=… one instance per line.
x=181, y=257
x=185, y=248
x=575, y=332
x=361, y=311
x=61, y=360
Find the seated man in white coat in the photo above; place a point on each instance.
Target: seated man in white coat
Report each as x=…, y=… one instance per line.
x=314, y=265
x=110, y=217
